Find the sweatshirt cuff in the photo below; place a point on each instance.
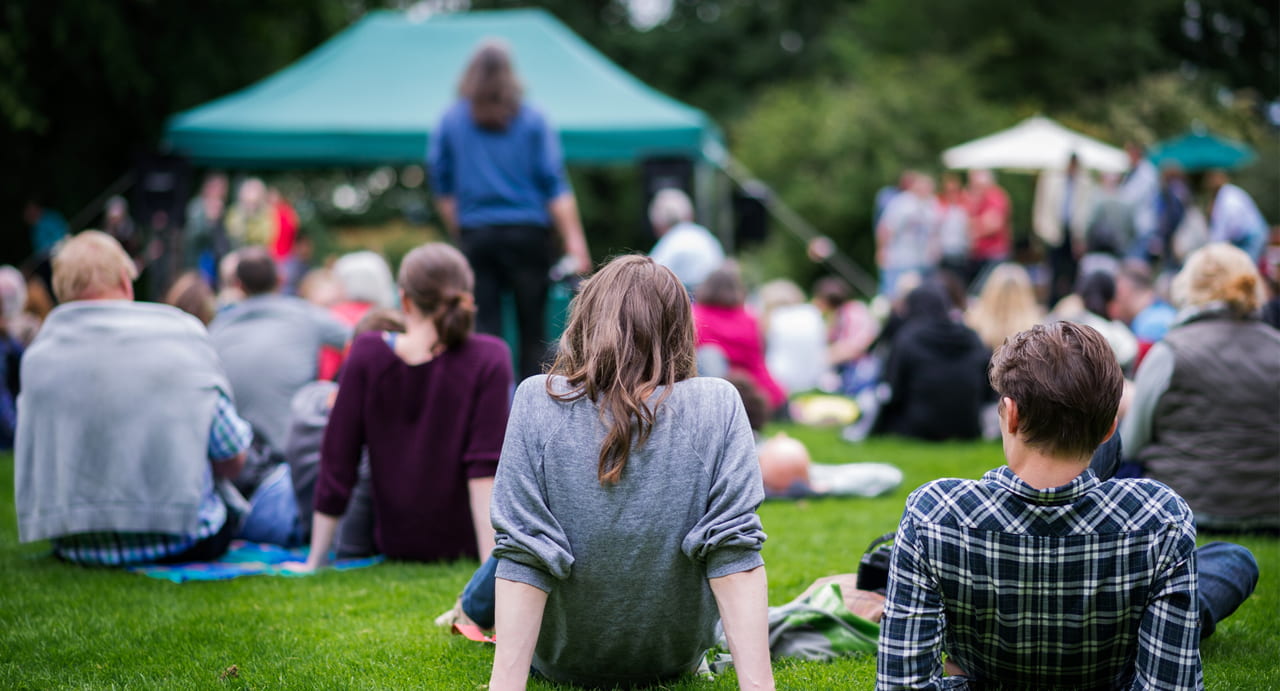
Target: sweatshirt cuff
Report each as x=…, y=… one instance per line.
x=331, y=504
x=731, y=560
x=481, y=467
x=515, y=571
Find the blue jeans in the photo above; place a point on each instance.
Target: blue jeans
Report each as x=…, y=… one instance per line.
x=477, y=597
x=273, y=511
x=1228, y=574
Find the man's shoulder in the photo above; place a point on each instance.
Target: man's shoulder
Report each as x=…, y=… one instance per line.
x=937, y=500
x=1143, y=502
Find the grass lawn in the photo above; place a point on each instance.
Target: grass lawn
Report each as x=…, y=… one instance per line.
x=68, y=627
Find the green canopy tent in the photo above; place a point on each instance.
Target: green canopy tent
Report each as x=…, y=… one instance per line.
x=1199, y=150
x=370, y=96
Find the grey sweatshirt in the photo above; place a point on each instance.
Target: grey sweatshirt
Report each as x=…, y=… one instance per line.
x=625, y=566
x=269, y=345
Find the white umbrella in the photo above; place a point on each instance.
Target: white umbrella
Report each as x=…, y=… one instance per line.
x=1035, y=144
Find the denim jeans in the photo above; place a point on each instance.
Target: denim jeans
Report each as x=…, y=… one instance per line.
x=273, y=511
x=1228, y=574
x=477, y=597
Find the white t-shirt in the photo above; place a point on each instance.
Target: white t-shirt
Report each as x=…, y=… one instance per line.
x=690, y=251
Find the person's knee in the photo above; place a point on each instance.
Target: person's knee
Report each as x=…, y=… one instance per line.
x=1224, y=557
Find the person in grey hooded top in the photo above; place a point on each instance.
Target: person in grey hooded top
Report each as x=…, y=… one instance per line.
x=625, y=502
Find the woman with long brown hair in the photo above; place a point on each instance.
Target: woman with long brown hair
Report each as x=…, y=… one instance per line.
x=625, y=501
x=500, y=187
x=430, y=406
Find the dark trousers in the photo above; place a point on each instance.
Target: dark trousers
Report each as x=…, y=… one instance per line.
x=1062, y=270
x=515, y=259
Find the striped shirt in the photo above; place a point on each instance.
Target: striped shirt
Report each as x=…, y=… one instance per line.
x=1087, y=585
x=229, y=434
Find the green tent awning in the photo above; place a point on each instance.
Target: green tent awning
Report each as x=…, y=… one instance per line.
x=1200, y=150
x=371, y=95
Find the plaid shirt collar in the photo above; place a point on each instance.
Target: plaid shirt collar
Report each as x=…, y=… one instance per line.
x=1082, y=484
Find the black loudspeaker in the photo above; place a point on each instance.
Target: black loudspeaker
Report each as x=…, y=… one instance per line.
x=163, y=184
x=750, y=214
x=661, y=173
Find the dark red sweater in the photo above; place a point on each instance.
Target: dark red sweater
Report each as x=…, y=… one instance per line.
x=429, y=428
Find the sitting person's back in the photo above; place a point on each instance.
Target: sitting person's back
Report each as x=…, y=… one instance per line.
x=124, y=419
x=269, y=344
x=1206, y=418
x=1040, y=575
x=935, y=372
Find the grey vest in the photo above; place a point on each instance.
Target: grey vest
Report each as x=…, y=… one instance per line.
x=1216, y=430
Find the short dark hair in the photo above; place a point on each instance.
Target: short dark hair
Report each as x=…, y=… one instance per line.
x=1066, y=382
x=256, y=271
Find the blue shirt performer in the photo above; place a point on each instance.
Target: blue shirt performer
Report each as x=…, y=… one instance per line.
x=500, y=186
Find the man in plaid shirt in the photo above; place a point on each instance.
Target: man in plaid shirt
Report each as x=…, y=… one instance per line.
x=1040, y=574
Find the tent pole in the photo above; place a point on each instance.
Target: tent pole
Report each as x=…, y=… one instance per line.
x=837, y=261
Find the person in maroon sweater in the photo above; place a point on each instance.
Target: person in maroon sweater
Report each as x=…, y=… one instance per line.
x=431, y=406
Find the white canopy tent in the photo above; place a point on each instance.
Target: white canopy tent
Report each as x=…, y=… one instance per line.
x=1033, y=145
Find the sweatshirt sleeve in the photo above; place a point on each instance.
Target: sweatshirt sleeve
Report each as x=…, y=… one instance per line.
x=344, y=437
x=729, y=535
x=531, y=545
x=488, y=422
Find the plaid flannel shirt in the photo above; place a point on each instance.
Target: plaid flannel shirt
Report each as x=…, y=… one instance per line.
x=1088, y=585
x=229, y=434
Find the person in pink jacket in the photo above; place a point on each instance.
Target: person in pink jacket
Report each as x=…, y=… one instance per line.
x=727, y=328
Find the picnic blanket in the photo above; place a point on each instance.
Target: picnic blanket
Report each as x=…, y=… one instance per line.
x=243, y=559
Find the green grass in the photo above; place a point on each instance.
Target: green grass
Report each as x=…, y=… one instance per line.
x=68, y=627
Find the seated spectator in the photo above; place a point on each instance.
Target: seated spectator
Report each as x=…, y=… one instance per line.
x=688, y=249
x=125, y=419
x=229, y=292
x=269, y=344
x=1205, y=418
x=320, y=287
x=13, y=296
x=617, y=549
x=795, y=337
x=851, y=329
x=308, y=419
x=366, y=284
x=430, y=405
x=1091, y=305
x=724, y=324
x=191, y=294
x=1040, y=575
x=935, y=372
x=1006, y=305
x=1137, y=305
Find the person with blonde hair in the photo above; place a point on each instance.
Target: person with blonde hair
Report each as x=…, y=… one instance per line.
x=1006, y=305
x=124, y=420
x=1205, y=418
x=500, y=187
x=626, y=501
x=430, y=406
